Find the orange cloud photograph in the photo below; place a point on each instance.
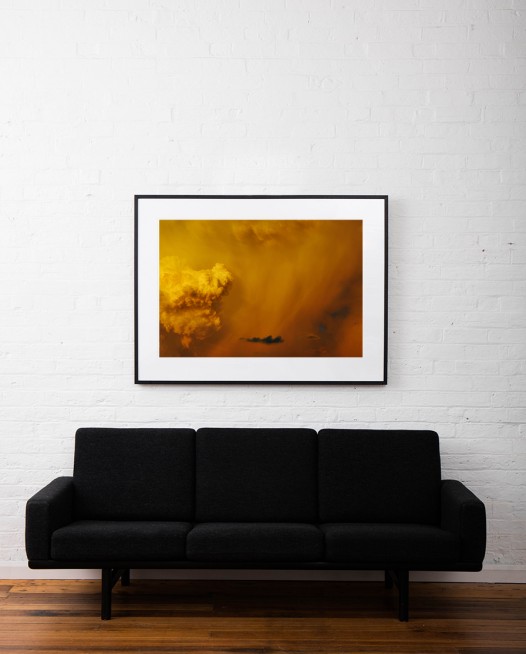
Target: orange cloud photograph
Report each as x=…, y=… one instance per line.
x=260, y=288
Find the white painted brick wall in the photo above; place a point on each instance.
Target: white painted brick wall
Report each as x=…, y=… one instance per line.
x=422, y=100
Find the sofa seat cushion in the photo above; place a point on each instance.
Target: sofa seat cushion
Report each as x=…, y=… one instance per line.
x=365, y=543
x=253, y=541
x=108, y=540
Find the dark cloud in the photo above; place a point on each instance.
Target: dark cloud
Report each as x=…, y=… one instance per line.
x=341, y=312
x=268, y=340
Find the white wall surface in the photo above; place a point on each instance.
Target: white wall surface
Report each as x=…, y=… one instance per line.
x=423, y=100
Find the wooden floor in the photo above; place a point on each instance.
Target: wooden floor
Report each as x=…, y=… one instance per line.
x=254, y=617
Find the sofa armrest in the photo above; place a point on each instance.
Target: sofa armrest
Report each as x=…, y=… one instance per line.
x=464, y=515
x=47, y=510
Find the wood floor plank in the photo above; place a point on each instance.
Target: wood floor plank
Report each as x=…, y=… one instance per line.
x=261, y=618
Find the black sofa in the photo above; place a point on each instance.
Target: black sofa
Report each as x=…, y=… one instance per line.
x=256, y=499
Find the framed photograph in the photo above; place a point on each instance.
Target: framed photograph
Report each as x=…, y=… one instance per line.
x=260, y=289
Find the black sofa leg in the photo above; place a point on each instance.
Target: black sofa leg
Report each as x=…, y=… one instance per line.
x=105, y=608
x=109, y=578
x=125, y=578
x=400, y=578
x=403, y=595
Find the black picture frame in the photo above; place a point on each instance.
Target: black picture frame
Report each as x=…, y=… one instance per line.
x=156, y=215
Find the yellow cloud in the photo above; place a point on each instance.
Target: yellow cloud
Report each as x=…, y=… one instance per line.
x=268, y=232
x=190, y=298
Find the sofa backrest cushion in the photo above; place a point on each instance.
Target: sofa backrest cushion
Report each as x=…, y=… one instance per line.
x=134, y=474
x=256, y=475
x=379, y=476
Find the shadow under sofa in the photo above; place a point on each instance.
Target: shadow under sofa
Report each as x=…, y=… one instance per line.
x=255, y=498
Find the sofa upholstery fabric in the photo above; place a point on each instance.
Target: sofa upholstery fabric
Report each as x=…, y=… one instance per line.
x=103, y=540
x=134, y=474
x=378, y=476
x=256, y=475
x=252, y=542
x=394, y=543
x=49, y=509
x=464, y=514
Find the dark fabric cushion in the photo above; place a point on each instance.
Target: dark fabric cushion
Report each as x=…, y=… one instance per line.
x=134, y=474
x=370, y=475
x=256, y=475
x=389, y=543
x=104, y=540
x=255, y=541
